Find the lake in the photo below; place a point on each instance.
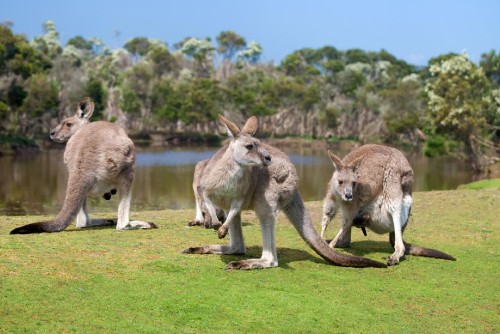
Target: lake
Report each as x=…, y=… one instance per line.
x=36, y=184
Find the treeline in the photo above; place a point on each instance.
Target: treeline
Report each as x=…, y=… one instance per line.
x=149, y=86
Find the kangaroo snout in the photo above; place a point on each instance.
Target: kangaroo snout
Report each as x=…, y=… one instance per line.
x=265, y=156
x=348, y=194
x=267, y=160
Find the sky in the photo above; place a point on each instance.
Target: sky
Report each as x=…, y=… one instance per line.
x=414, y=31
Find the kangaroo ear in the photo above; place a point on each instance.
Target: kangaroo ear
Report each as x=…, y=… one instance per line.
x=337, y=163
x=85, y=108
x=251, y=126
x=232, y=129
x=355, y=163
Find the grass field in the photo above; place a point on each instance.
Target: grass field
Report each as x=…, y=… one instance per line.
x=482, y=184
x=103, y=281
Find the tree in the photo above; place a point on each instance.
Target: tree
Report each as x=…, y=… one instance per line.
x=138, y=46
x=251, y=54
x=80, y=43
x=403, y=109
x=41, y=100
x=49, y=42
x=459, y=103
x=490, y=62
x=201, y=50
x=229, y=43
x=96, y=91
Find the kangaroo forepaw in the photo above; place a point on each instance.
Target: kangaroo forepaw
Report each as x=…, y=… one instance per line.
x=222, y=232
x=393, y=260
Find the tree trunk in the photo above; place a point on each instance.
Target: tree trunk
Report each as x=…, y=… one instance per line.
x=472, y=153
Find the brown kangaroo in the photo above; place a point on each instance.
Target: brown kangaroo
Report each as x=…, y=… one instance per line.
x=372, y=186
x=100, y=157
x=248, y=174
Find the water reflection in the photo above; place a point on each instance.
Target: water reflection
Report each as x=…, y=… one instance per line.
x=36, y=184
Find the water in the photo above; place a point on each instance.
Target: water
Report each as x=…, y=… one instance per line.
x=36, y=184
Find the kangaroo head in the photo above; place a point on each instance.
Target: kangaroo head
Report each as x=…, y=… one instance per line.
x=344, y=177
x=247, y=150
x=70, y=125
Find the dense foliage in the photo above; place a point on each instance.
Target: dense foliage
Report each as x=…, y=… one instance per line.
x=148, y=86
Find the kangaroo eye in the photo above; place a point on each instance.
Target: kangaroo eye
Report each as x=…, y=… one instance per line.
x=249, y=146
x=69, y=125
x=340, y=182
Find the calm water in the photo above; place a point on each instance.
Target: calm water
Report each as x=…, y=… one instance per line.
x=36, y=184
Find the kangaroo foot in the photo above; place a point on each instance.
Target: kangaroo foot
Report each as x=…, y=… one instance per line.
x=339, y=244
x=215, y=249
x=194, y=222
x=137, y=224
x=197, y=250
x=251, y=264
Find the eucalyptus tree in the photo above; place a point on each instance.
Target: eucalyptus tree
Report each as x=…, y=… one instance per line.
x=460, y=104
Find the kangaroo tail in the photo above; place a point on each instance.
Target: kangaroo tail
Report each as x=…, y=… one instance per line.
x=427, y=252
x=75, y=196
x=298, y=215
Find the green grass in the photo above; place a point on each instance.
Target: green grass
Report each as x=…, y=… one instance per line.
x=103, y=281
x=482, y=184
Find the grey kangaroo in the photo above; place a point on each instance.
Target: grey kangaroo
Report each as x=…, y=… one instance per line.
x=372, y=186
x=100, y=158
x=248, y=174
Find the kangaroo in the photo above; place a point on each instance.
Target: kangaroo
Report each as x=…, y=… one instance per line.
x=372, y=186
x=248, y=174
x=100, y=157
x=203, y=217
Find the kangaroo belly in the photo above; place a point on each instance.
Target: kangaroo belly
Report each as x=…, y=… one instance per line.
x=376, y=217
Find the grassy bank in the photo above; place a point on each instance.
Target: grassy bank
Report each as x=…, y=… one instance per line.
x=103, y=281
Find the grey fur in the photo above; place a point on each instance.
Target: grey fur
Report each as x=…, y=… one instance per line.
x=372, y=186
x=248, y=174
x=100, y=158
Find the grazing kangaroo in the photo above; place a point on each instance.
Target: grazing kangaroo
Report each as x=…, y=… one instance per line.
x=372, y=186
x=100, y=158
x=203, y=217
x=248, y=174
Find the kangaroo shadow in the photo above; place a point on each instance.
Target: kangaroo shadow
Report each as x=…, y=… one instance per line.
x=285, y=256
x=367, y=247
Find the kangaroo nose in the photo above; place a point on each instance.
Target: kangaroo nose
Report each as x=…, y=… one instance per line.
x=267, y=160
x=348, y=196
x=52, y=132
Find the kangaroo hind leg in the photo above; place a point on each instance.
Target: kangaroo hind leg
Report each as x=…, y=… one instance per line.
x=125, y=194
x=269, y=258
x=83, y=219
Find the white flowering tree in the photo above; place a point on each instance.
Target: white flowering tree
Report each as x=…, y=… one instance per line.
x=251, y=54
x=49, y=42
x=460, y=103
x=201, y=51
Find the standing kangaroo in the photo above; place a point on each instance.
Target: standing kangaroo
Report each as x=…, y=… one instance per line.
x=100, y=158
x=372, y=185
x=247, y=174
